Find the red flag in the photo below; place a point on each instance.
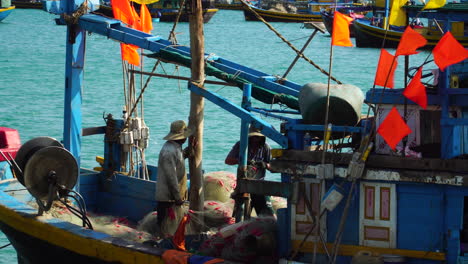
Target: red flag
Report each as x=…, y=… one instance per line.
x=146, y=21
x=416, y=91
x=340, y=33
x=385, y=69
x=409, y=42
x=448, y=51
x=130, y=54
x=123, y=11
x=393, y=129
x=179, y=236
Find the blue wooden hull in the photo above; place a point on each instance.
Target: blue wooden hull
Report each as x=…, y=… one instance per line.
x=5, y=12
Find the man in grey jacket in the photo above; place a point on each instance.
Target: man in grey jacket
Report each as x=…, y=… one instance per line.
x=171, y=184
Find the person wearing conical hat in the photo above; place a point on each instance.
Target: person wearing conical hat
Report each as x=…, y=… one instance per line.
x=258, y=160
x=171, y=184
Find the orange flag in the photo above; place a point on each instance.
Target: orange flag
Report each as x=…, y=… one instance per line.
x=409, y=42
x=123, y=11
x=386, y=69
x=179, y=236
x=393, y=129
x=136, y=20
x=340, y=33
x=146, y=21
x=416, y=91
x=448, y=51
x=130, y=54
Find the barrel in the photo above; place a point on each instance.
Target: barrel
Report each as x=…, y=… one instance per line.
x=345, y=104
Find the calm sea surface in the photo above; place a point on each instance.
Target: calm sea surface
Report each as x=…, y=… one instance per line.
x=32, y=56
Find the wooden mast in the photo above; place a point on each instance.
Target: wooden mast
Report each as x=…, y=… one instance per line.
x=197, y=102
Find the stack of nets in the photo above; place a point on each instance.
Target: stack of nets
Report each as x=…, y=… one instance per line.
x=248, y=241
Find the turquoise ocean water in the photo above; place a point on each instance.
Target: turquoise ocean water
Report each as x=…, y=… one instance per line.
x=32, y=56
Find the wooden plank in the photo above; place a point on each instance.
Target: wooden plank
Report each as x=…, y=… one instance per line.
x=377, y=161
x=351, y=250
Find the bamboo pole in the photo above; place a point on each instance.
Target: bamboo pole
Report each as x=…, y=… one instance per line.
x=197, y=50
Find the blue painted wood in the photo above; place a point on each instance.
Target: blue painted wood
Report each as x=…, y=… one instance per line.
x=453, y=213
x=126, y=197
x=420, y=217
x=351, y=227
x=75, y=52
x=304, y=127
x=244, y=135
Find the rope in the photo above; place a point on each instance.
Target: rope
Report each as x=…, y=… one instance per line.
x=4, y=246
x=75, y=16
x=298, y=52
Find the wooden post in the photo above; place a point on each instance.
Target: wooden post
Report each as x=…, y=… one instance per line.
x=197, y=102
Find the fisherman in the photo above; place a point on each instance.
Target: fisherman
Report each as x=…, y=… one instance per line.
x=171, y=184
x=259, y=156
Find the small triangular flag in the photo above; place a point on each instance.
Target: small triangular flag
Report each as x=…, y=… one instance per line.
x=393, y=129
x=448, y=51
x=416, y=91
x=409, y=42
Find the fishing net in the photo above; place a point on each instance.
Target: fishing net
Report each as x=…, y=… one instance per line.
x=278, y=203
x=111, y=225
x=169, y=224
x=219, y=185
x=253, y=240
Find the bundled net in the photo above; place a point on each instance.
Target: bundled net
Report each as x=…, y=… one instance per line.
x=253, y=240
x=219, y=185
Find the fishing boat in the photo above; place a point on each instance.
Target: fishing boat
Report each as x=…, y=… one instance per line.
x=27, y=4
x=168, y=11
x=285, y=13
x=352, y=11
x=371, y=33
x=228, y=5
x=4, y=12
x=5, y=9
x=350, y=197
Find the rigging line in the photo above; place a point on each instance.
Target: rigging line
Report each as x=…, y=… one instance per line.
x=184, y=78
x=4, y=246
x=289, y=43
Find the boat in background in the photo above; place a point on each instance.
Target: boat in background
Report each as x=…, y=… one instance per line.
x=371, y=32
x=34, y=4
x=353, y=11
x=228, y=5
x=285, y=12
x=168, y=10
x=5, y=9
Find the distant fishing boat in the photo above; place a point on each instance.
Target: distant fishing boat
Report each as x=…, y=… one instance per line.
x=228, y=5
x=352, y=11
x=370, y=33
x=168, y=10
x=170, y=15
x=5, y=11
x=284, y=16
x=27, y=4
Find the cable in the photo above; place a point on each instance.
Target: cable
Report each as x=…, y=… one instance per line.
x=4, y=246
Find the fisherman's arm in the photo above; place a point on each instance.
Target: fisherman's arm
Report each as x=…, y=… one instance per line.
x=233, y=156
